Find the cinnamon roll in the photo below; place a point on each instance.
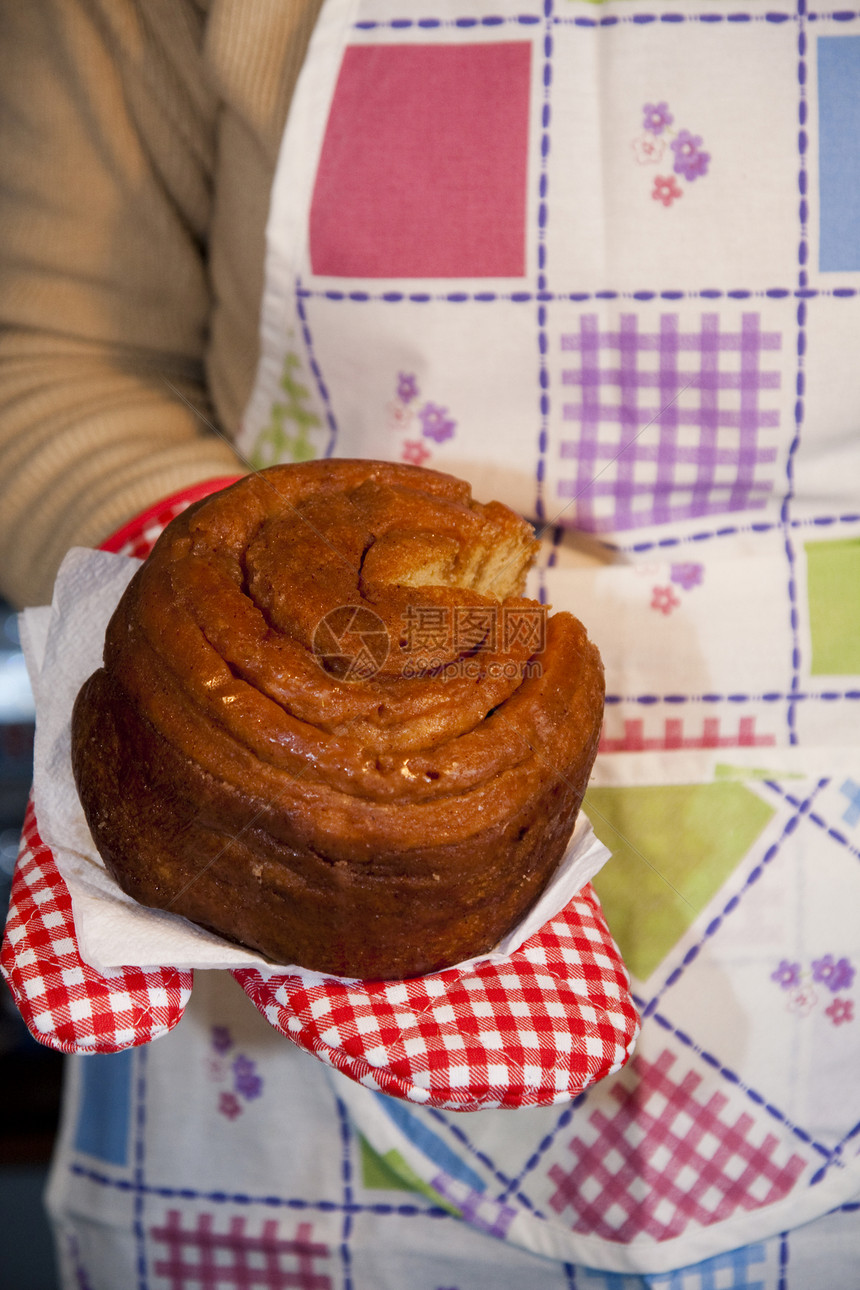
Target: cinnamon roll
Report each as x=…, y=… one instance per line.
x=330, y=727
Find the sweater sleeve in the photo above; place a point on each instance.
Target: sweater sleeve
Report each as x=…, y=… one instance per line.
x=107, y=141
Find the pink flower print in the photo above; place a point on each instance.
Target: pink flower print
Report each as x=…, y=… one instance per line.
x=687, y=575
x=435, y=422
x=787, y=975
x=648, y=148
x=802, y=1000
x=228, y=1104
x=840, y=1011
x=407, y=387
x=690, y=160
x=215, y=1069
x=666, y=189
x=245, y=1078
x=656, y=116
x=664, y=599
x=836, y=976
x=399, y=415
x=415, y=452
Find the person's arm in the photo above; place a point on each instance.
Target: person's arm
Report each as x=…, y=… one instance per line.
x=107, y=134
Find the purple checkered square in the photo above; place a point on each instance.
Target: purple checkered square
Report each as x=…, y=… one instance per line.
x=669, y=424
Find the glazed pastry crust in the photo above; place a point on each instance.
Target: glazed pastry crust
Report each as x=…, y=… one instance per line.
x=329, y=726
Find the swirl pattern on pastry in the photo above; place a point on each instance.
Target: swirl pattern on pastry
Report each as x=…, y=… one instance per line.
x=330, y=727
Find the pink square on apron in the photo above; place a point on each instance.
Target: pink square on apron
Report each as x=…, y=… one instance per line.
x=443, y=176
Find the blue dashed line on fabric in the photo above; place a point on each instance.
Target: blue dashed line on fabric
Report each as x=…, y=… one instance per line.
x=570, y=1274
x=102, y=1179
x=656, y=544
x=837, y=1158
x=509, y=1185
x=800, y=808
x=138, y=1226
x=732, y=1077
x=545, y=1144
x=346, y=1140
x=802, y=282
x=543, y=344
x=436, y=24
x=322, y=388
x=818, y=821
x=669, y=18
x=768, y=696
x=544, y=296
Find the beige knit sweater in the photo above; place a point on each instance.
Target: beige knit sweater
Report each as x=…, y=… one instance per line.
x=138, y=140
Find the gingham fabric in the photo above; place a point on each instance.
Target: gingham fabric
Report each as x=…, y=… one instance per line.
x=65, y=1003
x=534, y=1030
x=619, y=484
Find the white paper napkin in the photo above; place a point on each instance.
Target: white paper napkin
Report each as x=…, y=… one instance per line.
x=63, y=645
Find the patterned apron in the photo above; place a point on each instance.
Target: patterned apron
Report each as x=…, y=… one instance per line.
x=602, y=262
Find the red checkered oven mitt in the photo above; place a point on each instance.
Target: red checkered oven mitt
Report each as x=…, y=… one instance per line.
x=533, y=1030
x=64, y=1002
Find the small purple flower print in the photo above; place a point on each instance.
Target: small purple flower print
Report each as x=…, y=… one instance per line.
x=435, y=422
x=222, y=1040
x=407, y=387
x=687, y=575
x=228, y=1104
x=415, y=452
x=787, y=975
x=690, y=160
x=648, y=148
x=664, y=599
x=840, y=1011
x=836, y=976
x=666, y=189
x=656, y=116
x=245, y=1078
